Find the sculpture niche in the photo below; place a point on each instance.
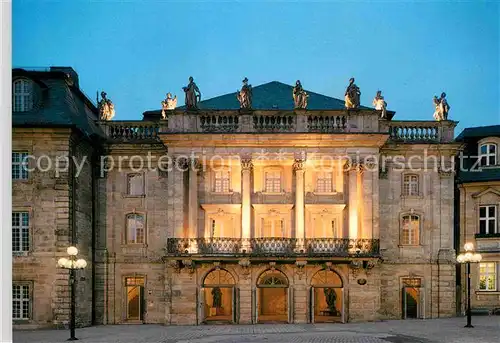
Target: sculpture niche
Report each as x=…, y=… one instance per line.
x=380, y=104
x=442, y=107
x=168, y=104
x=193, y=94
x=244, y=95
x=299, y=96
x=106, y=107
x=352, y=95
x=331, y=298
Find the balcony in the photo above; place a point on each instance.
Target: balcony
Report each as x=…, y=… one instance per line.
x=273, y=246
x=419, y=131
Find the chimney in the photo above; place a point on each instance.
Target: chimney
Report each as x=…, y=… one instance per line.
x=71, y=74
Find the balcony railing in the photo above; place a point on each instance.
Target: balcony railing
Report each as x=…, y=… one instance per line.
x=132, y=130
x=419, y=131
x=273, y=246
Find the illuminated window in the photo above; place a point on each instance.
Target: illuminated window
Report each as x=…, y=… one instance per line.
x=20, y=232
x=273, y=227
x=23, y=95
x=21, y=301
x=135, y=229
x=135, y=184
x=222, y=181
x=410, y=185
x=272, y=181
x=20, y=165
x=487, y=219
x=325, y=227
x=324, y=182
x=410, y=230
x=488, y=154
x=488, y=276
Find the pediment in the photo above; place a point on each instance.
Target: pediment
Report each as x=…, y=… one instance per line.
x=489, y=190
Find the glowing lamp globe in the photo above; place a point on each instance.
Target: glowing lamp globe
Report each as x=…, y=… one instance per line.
x=62, y=261
x=72, y=251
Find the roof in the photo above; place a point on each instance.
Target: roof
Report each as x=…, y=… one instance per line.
x=62, y=103
x=273, y=95
x=479, y=132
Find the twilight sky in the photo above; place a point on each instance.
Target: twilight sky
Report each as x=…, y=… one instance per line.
x=139, y=51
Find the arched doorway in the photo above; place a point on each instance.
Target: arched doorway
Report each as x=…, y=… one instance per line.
x=217, y=301
x=272, y=298
x=326, y=297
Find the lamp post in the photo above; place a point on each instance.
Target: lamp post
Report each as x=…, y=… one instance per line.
x=469, y=257
x=72, y=263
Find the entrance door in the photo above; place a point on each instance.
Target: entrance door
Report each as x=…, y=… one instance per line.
x=273, y=298
x=134, y=288
x=411, y=302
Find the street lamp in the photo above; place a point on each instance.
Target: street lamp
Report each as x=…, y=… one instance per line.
x=469, y=257
x=72, y=263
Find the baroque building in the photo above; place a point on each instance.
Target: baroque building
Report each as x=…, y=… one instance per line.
x=272, y=204
x=477, y=202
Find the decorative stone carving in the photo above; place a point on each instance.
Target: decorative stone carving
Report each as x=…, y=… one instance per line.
x=106, y=107
x=445, y=172
x=244, y=95
x=298, y=164
x=193, y=94
x=300, y=264
x=246, y=164
x=380, y=104
x=442, y=107
x=352, y=95
x=299, y=96
x=168, y=104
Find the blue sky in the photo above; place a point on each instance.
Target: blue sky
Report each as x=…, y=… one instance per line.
x=139, y=51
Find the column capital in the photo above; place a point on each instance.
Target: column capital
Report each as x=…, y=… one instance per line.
x=356, y=166
x=246, y=164
x=195, y=163
x=298, y=164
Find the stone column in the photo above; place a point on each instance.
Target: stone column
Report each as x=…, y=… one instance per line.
x=353, y=170
x=246, y=209
x=176, y=190
x=366, y=194
x=298, y=167
x=193, y=198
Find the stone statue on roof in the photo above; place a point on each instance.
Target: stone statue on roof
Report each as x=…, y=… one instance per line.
x=244, y=95
x=193, y=94
x=442, y=107
x=168, y=104
x=380, y=104
x=352, y=95
x=299, y=96
x=106, y=108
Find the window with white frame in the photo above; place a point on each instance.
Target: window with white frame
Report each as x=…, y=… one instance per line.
x=488, y=154
x=325, y=227
x=135, y=184
x=410, y=229
x=488, y=276
x=222, y=182
x=272, y=181
x=136, y=231
x=21, y=301
x=273, y=227
x=22, y=92
x=487, y=219
x=324, y=182
x=20, y=232
x=20, y=165
x=410, y=185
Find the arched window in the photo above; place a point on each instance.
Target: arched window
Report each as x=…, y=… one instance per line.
x=410, y=229
x=272, y=278
x=488, y=154
x=218, y=277
x=136, y=232
x=410, y=185
x=22, y=91
x=326, y=277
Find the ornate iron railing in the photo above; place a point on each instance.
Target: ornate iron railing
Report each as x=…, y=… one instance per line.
x=273, y=246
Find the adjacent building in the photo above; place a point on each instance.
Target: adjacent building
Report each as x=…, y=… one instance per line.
x=477, y=214
x=223, y=213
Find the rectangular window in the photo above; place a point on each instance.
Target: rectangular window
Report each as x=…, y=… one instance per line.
x=410, y=185
x=20, y=231
x=488, y=276
x=488, y=154
x=324, y=182
x=21, y=302
x=487, y=219
x=325, y=227
x=410, y=230
x=273, y=227
x=20, y=165
x=273, y=182
x=135, y=229
x=135, y=184
x=222, y=182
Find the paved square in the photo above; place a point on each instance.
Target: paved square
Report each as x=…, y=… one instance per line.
x=450, y=330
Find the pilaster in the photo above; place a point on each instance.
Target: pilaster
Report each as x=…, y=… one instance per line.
x=298, y=167
x=246, y=209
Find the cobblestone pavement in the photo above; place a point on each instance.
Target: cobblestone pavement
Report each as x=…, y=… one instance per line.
x=450, y=330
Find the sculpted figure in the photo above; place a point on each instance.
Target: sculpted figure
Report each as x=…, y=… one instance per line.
x=106, y=108
x=380, y=104
x=299, y=96
x=217, y=297
x=244, y=96
x=193, y=94
x=168, y=104
x=442, y=107
x=352, y=95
